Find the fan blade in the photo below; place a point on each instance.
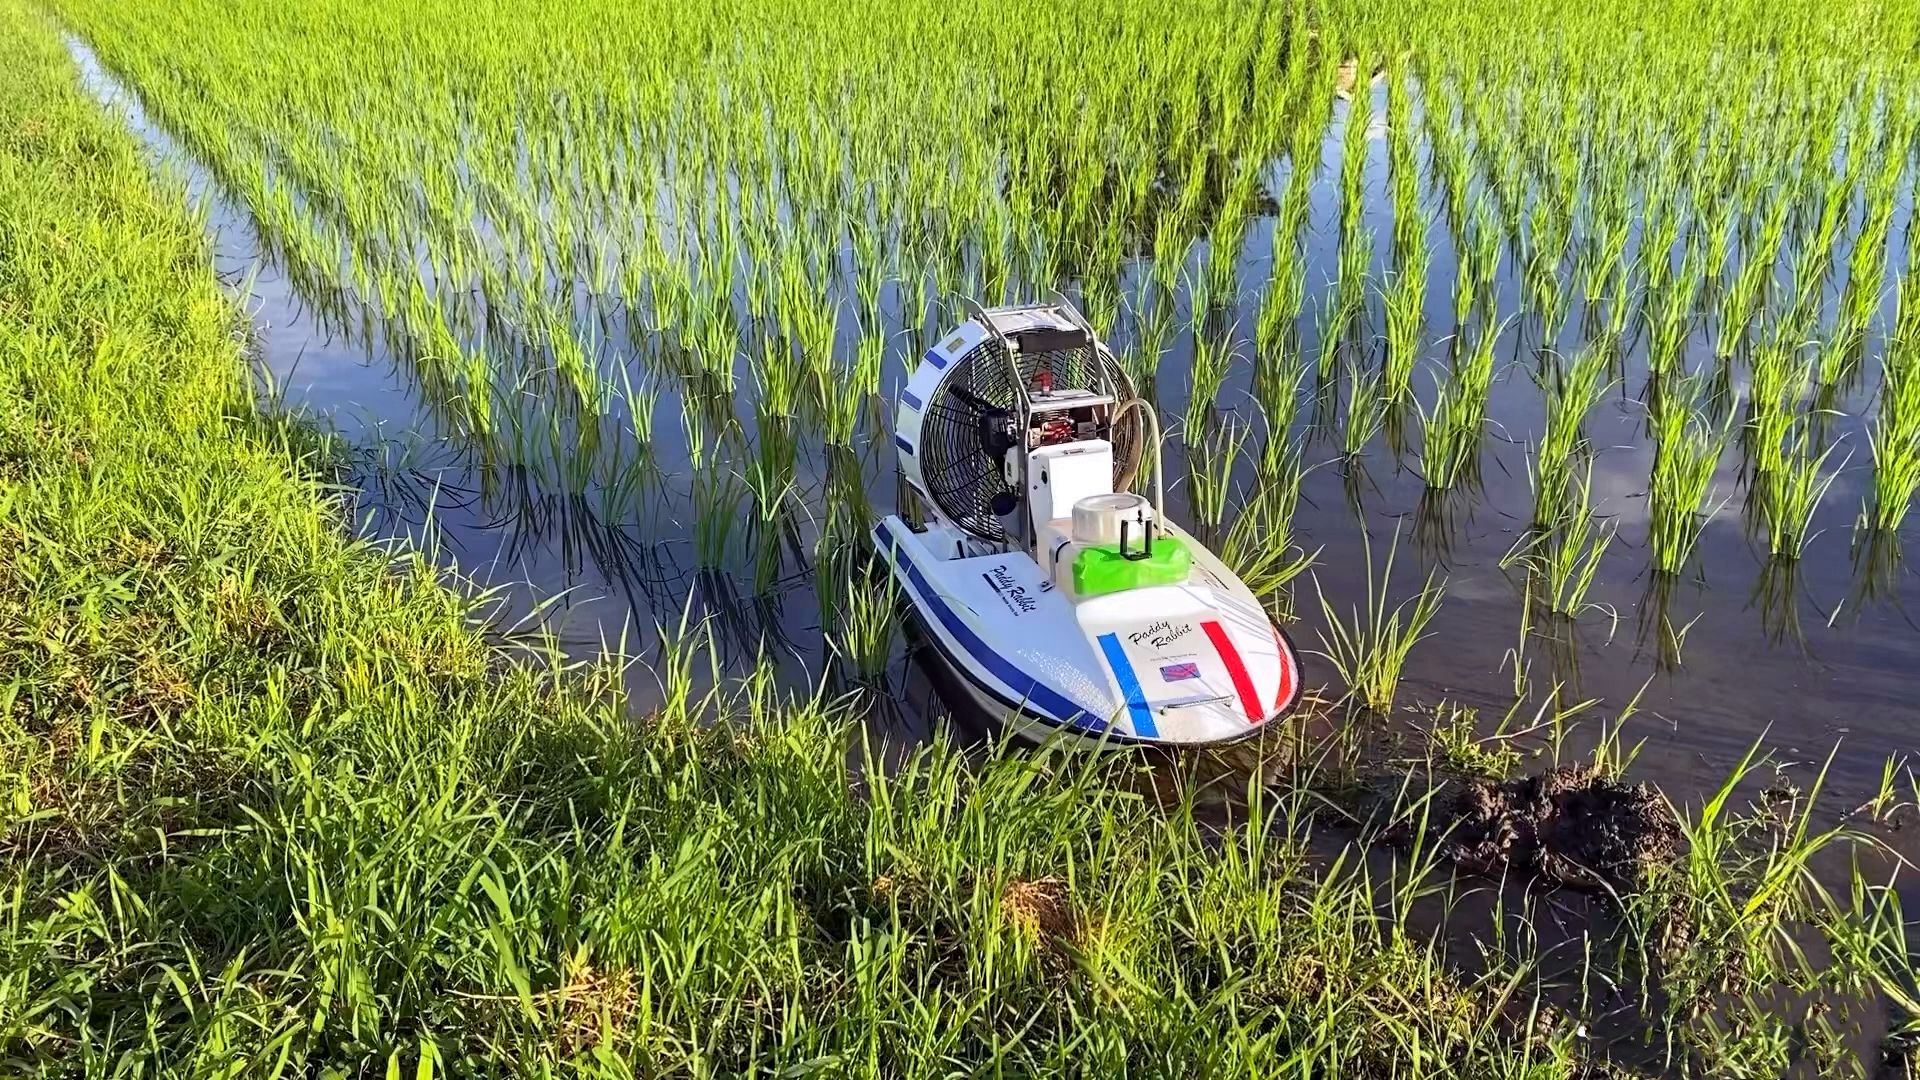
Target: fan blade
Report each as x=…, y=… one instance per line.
x=978, y=403
x=953, y=413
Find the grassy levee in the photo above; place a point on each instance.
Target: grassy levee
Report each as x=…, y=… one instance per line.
x=271, y=805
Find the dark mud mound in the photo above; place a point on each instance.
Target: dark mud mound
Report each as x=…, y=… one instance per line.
x=1570, y=826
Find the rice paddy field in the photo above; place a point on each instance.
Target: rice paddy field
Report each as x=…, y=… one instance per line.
x=607, y=303
x=442, y=439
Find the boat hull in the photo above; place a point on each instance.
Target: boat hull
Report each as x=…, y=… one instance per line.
x=1194, y=665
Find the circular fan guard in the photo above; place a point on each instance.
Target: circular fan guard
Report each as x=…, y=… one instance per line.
x=970, y=424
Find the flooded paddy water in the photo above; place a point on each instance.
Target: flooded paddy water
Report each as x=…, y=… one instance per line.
x=646, y=519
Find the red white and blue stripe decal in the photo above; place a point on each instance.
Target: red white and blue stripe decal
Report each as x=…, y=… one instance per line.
x=1236, y=670
x=1287, y=677
x=1137, y=709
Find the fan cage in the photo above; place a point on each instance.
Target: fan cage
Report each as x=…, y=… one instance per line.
x=960, y=477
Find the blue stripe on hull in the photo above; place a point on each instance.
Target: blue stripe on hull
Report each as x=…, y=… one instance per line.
x=1036, y=693
x=1129, y=686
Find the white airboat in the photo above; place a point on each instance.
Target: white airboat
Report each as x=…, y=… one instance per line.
x=1053, y=596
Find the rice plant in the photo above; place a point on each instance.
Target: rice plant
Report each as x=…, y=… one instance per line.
x=1405, y=300
x=1687, y=450
x=868, y=618
x=1368, y=645
x=1453, y=427
x=1365, y=412
x=1790, y=495
x=1260, y=546
x=1211, y=361
x=1895, y=437
x=1211, y=459
x=1571, y=391
x=1565, y=558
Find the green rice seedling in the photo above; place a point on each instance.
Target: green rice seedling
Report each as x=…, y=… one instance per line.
x=777, y=379
x=868, y=618
x=844, y=391
x=1781, y=377
x=1815, y=256
x=770, y=479
x=715, y=342
x=1332, y=328
x=1602, y=253
x=1664, y=220
x=1479, y=265
x=1171, y=243
x=1466, y=296
x=1211, y=362
x=1742, y=301
x=1686, y=452
x=1670, y=320
x=1354, y=141
x=1351, y=287
x=1280, y=306
x=1866, y=269
x=1571, y=392
x=1896, y=476
x=1365, y=412
x=1259, y=546
x=1403, y=170
x=1210, y=464
x=1153, y=329
x=1905, y=335
x=1200, y=303
x=1452, y=429
x=871, y=267
x=1277, y=379
x=1291, y=221
x=1225, y=240
x=1836, y=363
x=1368, y=646
x=1405, y=297
x=1894, y=439
x=1547, y=234
x=1565, y=559
x=1100, y=298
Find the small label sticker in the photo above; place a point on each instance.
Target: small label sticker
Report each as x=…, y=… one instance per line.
x=1179, y=672
x=953, y=344
x=1012, y=594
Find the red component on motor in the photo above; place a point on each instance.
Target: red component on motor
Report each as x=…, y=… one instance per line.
x=1043, y=381
x=1056, y=430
